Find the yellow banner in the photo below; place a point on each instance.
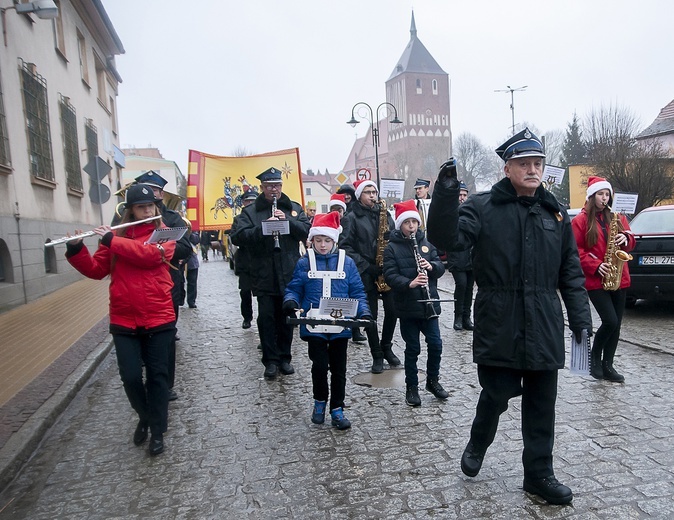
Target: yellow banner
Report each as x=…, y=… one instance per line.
x=216, y=184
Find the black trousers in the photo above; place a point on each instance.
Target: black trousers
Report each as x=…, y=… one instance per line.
x=329, y=355
x=463, y=292
x=245, y=288
x=610, y=305
x=150, y=398
x=275, y=335
x=376, y=347
x=538, y=389
x=192, y=276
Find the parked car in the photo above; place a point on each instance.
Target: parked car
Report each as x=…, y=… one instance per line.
x=652, y=265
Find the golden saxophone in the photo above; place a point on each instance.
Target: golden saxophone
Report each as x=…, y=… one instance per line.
x=382, y=286
x=614, y=256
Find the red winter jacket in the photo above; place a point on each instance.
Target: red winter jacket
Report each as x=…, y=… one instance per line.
x=140, y=282
x=592, y=257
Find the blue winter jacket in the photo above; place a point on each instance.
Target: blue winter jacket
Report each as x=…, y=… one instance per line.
x=307, y=292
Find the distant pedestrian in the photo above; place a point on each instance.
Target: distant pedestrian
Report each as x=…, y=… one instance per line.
x=594, y=227
x=325, y=271
x=412, y=268
x=192, y=272
x=242, y=267
x=142, y=318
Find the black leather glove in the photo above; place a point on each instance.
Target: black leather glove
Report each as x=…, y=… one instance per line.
x=447, y=176
x=289, y=308
x=578, y=334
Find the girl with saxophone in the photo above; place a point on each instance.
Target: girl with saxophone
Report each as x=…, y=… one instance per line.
x=142, y=319
x=603, y=239
x=411, y=268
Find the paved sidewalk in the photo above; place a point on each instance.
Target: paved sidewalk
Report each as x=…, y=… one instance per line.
x=242, y=447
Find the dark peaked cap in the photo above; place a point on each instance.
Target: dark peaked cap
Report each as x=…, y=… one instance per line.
x=152, y=178
x=422, y=183
x=523, y=144
x=270, y=175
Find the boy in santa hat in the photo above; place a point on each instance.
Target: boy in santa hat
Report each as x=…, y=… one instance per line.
x=411, y=268
x=326, y=271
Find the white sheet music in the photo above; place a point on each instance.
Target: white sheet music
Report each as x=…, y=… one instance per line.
x=166, y=234
x=271, y=226
x=580, y=355
x=338, y=307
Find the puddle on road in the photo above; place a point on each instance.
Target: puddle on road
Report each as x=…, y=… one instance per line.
x=390, y=378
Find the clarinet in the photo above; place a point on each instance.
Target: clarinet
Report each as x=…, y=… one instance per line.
x=426, y=289
x=277, y=243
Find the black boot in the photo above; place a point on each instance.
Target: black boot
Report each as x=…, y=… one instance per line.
x=434, y=387
x=357, y=336
x=390, y=356
x=610, y=373
x=458, y=322
x=412, y=396
x=596, y=369
x=377, y=365
x=467, y=324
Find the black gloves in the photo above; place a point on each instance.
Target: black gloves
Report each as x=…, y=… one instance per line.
x=578, y=334
x=289, y=307
x=447, y=176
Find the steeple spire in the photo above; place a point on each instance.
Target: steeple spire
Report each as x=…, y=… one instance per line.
x=413, y=27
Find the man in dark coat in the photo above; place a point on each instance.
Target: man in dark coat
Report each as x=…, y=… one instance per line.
x=523, y=253
x=272, y=266
x=359, y=239
x=242, y=267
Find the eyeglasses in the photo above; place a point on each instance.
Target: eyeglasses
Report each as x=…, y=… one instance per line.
x=370, y=192
x=272, y=187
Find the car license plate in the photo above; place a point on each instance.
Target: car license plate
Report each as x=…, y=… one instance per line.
x=656, y=260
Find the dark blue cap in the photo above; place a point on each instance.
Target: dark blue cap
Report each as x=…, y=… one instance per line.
x=462, y=186
x=152, y=178
x=270, y=175
x=422, y=183
x=250, y=195
x=523, y=144
x=139, y=194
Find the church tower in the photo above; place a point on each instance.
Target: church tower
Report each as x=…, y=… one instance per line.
x=419, y=89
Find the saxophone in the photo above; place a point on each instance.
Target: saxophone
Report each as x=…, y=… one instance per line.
x=381, y=284
x=615, y=257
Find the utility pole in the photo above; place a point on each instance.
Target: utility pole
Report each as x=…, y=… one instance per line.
x=512, y=101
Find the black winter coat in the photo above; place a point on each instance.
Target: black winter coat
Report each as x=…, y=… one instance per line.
x=523, y=253
x=400, y=268
x=359, y=239
x=458, y=261
x=270, y=270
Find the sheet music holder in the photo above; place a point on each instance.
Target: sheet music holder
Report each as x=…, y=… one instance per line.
x=166, y=235
x=580, y=355
x=269, y=227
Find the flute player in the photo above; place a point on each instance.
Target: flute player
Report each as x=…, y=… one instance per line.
x=142, y=320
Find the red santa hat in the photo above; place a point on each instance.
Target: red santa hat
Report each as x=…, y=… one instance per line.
x=361, y=185
x=594, y=184
x=326, y=224
x=405, y=210
x=338, y=199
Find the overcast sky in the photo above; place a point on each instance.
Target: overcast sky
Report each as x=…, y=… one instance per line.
x=265, y=75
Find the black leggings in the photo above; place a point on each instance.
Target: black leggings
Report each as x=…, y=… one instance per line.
x=610, y=306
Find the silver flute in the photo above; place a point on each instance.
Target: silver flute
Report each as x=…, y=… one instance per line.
x=92, y=233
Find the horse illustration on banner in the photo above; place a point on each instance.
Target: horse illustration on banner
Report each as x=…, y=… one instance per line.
x=230, y=199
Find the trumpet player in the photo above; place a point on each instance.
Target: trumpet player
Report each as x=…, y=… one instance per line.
x=411, y=268
x=273, y=259
x=599, y=235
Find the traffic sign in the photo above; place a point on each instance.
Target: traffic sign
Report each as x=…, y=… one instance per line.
x=363, y=174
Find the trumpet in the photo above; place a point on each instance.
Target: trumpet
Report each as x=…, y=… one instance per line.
x=92, y=233
x=428, y=300
x=277, y=243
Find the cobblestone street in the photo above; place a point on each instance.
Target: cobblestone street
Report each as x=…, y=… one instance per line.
x=239, y=446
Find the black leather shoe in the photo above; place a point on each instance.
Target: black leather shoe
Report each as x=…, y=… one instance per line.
x=245, y=324
x=548, y=488
x=172, y=395
x=610, y=373
x=471, y=460
x=467, y=324
x=286, y=368
x=391, y=358
x=412, y=396
x=377, y=365
x=458, y=323
x=271, y=371
x=434, y=387
x=192, y=305
x=156, y=444
x=140, y=434
x=358, y=336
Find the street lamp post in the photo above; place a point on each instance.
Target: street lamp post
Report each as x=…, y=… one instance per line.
x=374, y=123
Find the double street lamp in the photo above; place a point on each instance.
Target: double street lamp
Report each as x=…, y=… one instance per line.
x=370, y=114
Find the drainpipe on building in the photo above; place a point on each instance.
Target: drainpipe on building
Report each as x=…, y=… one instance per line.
x=17, y=216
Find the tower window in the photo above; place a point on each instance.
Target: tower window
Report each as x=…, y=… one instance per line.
x=419, y=91
x=435, y=87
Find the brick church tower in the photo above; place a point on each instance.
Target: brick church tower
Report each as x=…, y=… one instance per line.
x=419, y=89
